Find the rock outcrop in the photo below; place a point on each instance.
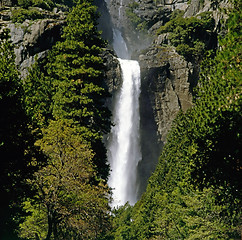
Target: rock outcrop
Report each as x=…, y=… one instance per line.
x=32, y=39
x=168, y=79
x=113, y=71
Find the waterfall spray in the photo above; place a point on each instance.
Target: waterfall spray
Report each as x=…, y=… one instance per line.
x=124, y=149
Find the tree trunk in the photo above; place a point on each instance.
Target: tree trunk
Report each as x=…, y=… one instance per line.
x=37, y=236
x=50, y=224
x=55, y=231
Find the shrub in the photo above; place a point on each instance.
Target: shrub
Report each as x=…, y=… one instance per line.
x=191, y=36
x=45, y=4
x=21, y=14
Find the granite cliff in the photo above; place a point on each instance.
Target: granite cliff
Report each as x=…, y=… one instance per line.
x=32, y=38
x=168, y=78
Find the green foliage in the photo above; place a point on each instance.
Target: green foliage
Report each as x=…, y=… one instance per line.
x=9, y=74
x=122, y=221
x=190, y=215
x=64, y=97
x=38, y=96
x=18, y=155
x=191, y=36
x=195, y=191
x=177, y=13
x=20, y=15
x=77, y=74
x=36, y=9
x=67, y=203
x=35, y=224
x=44, y=4
x=70, y=85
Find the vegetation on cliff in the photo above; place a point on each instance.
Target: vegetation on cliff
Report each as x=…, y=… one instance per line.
x=137, y=22
x=195, y=191
x=53, y=162
x=191, y=36
x=36, y=9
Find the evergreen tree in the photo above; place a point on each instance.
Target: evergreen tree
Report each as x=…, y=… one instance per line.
x=76, y=70
x=17, y=151
x=37, y=97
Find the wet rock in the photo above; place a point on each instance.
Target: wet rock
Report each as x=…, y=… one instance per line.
x=112, y=71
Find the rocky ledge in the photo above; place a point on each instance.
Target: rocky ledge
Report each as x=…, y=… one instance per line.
x=32, y=38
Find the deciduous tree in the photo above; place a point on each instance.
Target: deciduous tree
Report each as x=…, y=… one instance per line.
x=67, y=204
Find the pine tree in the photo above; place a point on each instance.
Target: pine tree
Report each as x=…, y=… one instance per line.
x=16, y=142
x=76, y=69
x=37, y=97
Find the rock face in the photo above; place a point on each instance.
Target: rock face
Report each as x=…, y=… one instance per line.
x=113, y=71
x=167, y=78
x=153, y=13
x=32, y=39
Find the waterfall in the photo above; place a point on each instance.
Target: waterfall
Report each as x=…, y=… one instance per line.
x=124, y=149
x=123, y=146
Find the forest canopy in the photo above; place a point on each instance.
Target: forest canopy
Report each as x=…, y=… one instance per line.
x=55, y=168
x=195, y=191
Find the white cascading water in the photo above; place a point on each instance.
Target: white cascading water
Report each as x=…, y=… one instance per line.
x=124, y=149
x=123, y=146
